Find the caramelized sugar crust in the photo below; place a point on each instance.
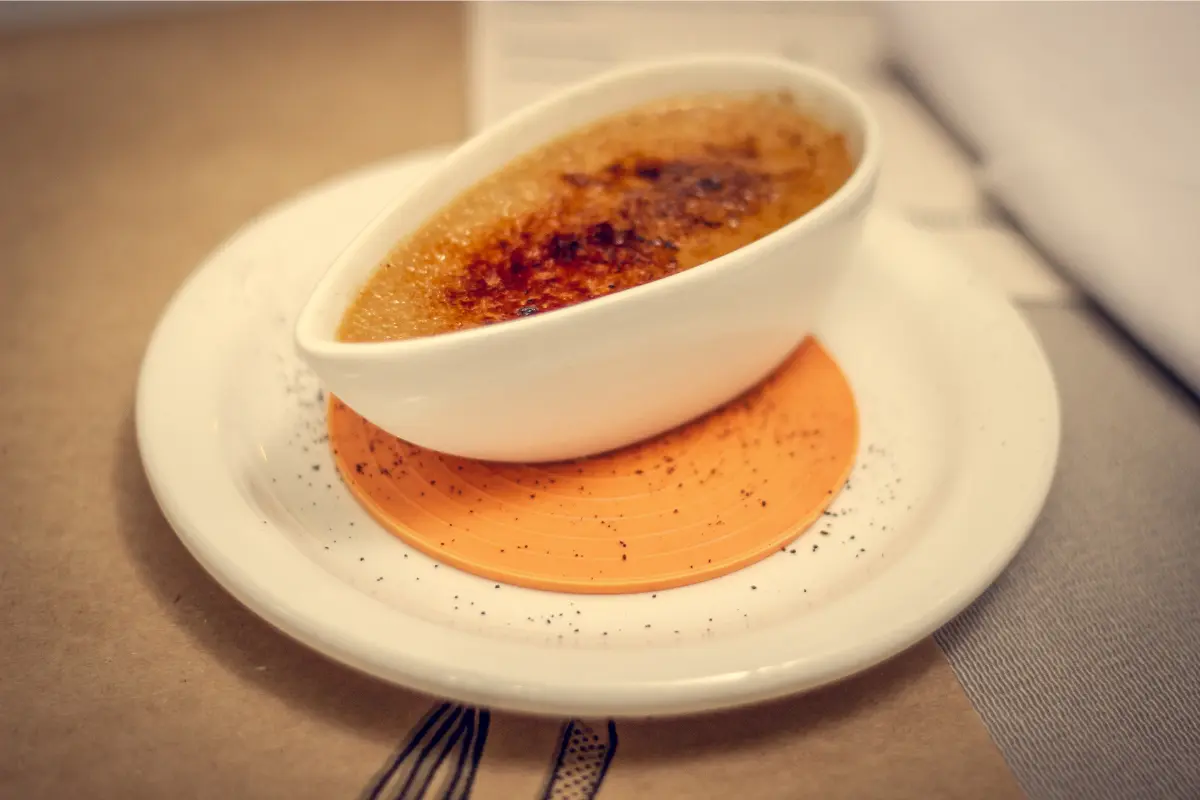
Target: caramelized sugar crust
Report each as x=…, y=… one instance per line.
x=627, y=200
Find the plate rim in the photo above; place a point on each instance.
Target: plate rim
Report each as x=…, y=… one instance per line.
x=617, y=698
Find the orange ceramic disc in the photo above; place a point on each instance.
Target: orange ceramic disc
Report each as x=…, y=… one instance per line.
x=699, y=502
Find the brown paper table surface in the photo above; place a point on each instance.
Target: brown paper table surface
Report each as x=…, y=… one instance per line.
x=127, y=152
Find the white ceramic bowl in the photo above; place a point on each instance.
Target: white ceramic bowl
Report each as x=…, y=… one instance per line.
x=615, y=370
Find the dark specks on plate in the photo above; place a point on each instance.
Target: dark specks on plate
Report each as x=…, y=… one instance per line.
x=842, y=525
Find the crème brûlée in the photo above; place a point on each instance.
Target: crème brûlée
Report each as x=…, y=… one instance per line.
x=630, y=199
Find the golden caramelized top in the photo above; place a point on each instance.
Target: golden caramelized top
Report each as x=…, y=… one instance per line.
x=628, y=200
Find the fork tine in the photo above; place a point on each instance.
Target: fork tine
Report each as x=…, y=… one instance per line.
x=416, y=735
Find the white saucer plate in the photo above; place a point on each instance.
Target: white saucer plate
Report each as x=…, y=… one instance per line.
x=960, y=431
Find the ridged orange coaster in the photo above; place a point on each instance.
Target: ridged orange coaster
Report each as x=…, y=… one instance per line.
x=699, y=502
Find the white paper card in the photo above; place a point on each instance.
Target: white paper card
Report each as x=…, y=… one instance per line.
x=519, y=51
